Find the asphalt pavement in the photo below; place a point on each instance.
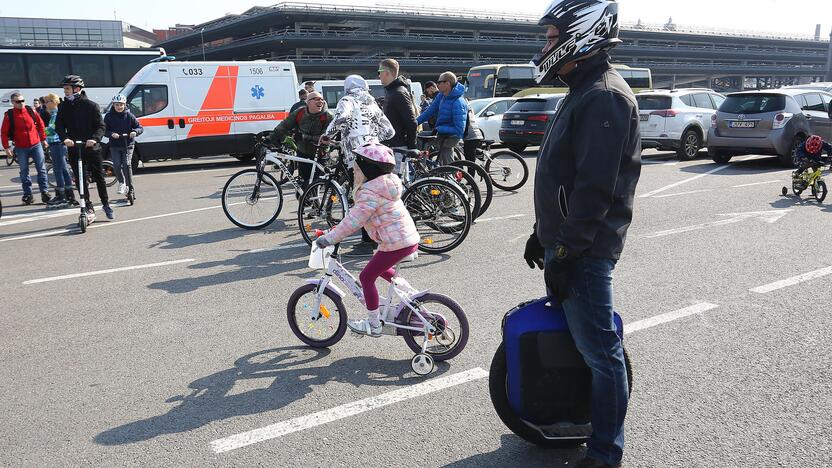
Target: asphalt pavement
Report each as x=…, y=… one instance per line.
x=160, y=338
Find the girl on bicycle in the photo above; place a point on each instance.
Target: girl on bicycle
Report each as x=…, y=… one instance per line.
x=379, y=209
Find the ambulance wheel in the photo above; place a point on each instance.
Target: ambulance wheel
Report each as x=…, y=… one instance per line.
x=82, y=223
x=422, y=364
x=499, y=398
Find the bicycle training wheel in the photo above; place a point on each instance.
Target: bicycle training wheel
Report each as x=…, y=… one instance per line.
x=321, y=207
x=441, y=213
x=508, y=170
x=317, y=328
x=251, y=205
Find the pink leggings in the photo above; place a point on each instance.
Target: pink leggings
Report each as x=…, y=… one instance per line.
x=381, y=265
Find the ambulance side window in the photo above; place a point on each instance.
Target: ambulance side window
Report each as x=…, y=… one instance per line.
x=148, y=99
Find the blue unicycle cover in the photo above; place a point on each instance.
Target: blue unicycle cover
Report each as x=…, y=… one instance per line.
x=547, y=381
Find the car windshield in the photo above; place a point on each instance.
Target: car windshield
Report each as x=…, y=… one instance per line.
x=653, y=102
x=479, y=105
x=753, y=103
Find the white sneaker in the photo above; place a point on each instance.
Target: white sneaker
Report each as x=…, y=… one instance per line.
x=402, y=284
x=122, y=189
x=410, y=258
x=363, y=327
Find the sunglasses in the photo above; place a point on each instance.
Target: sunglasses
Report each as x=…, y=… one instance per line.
x=19, y=101
x=317, y=99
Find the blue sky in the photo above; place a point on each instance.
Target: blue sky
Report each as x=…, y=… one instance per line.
x=795, y=16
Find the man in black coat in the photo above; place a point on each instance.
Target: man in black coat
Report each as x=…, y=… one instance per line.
x=398, y=105
x=79, y=119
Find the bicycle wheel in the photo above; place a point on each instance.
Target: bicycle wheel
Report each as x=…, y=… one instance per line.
x=50, y=176
x=466, y=182
x=109, y=173
x=482, y=179
x=441, y=213
x=449, y=319
x=819, y=191
x=507, y=169
x=326, y=326
x=322, y=206
x=248, y=204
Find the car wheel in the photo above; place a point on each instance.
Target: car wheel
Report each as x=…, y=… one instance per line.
x=720, y=157
x=788, y=160
x=517, y=147
x=689, y=145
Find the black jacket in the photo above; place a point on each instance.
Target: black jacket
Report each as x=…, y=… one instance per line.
x=400, y=111
x=79, y=120
x=589, y=164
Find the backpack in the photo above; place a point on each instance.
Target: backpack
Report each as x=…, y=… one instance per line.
x=10, y=117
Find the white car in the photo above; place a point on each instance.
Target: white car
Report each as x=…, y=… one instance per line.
x=678, y=119
x=489, y=115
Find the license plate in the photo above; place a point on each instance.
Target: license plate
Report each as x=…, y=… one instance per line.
x=518, y=122
x=743, y=124
x=644, y=118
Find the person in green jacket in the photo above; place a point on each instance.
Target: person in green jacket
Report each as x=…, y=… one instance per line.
x=306, y=125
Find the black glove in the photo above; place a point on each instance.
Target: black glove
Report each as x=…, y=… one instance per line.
x=558, y=273
x=535, y=252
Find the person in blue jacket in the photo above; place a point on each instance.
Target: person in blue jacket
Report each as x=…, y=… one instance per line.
x=120, y=121
x=451, y=110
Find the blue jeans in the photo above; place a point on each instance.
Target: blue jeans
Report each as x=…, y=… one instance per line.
x=63, y=179
x=36, y=153
x=589, y=313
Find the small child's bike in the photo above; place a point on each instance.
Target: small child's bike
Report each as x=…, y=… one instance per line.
x=434, y=326
x=810, y=178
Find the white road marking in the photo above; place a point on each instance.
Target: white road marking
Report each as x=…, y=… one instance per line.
x=792, y=281
x=659, y=162
x=105, y=272
x=771, y=216
x=344, y=411
x=668, y=317
x=756, y=183
x=682, y=182
x=301, y=423
x=500, y=218
x=682, y=193
x=29, y=217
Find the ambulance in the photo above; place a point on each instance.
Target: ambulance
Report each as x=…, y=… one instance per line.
x=193, y=109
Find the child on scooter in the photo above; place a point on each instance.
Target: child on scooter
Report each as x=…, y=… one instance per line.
x=119, y=121
x=379, y=209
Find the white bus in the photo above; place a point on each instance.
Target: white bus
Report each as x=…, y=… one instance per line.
x=37, y=71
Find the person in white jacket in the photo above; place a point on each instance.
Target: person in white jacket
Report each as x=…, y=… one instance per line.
x=359, y=121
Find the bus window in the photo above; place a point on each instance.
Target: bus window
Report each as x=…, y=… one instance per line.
x=12, y=75
x=95, y=69
x=46, y=70
x=481, y=83
x=125, y=66
x=147, y=99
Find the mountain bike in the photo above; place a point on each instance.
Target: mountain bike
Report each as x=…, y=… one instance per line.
x=433, y=326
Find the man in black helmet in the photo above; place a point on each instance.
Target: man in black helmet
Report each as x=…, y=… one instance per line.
x=79, y=119
x=585, y=182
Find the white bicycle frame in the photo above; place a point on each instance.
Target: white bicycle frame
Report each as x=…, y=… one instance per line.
x=278, y=159
x=388, y=313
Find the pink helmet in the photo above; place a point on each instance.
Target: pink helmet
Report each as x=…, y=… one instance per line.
x=376, y=153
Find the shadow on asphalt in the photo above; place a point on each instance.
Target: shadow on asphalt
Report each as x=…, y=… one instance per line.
x=791, y=200
x=244, y=267
x=279, y=382
x=180, y=241
x=204, y=165
x=753, y=166
x=514, y=451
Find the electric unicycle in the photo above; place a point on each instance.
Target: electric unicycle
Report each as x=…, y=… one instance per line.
x=540, y=385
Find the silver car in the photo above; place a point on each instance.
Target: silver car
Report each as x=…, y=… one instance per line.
x=771, y=122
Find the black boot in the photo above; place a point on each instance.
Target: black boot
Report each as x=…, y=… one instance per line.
x=58, y=200
x=27, y=199
x=44, y=197
x=70, y=197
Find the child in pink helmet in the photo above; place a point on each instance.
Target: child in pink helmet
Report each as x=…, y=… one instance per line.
x=379, y=209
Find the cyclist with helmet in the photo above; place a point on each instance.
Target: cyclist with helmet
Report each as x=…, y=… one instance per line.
x=378, y=209
x=585, y=181
x=79, y=119
x=810, y=154
x=119, y=121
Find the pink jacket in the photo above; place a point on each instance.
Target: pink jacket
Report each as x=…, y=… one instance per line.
x=379, y=209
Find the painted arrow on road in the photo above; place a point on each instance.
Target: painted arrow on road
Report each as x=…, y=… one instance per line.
x=771, y=217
